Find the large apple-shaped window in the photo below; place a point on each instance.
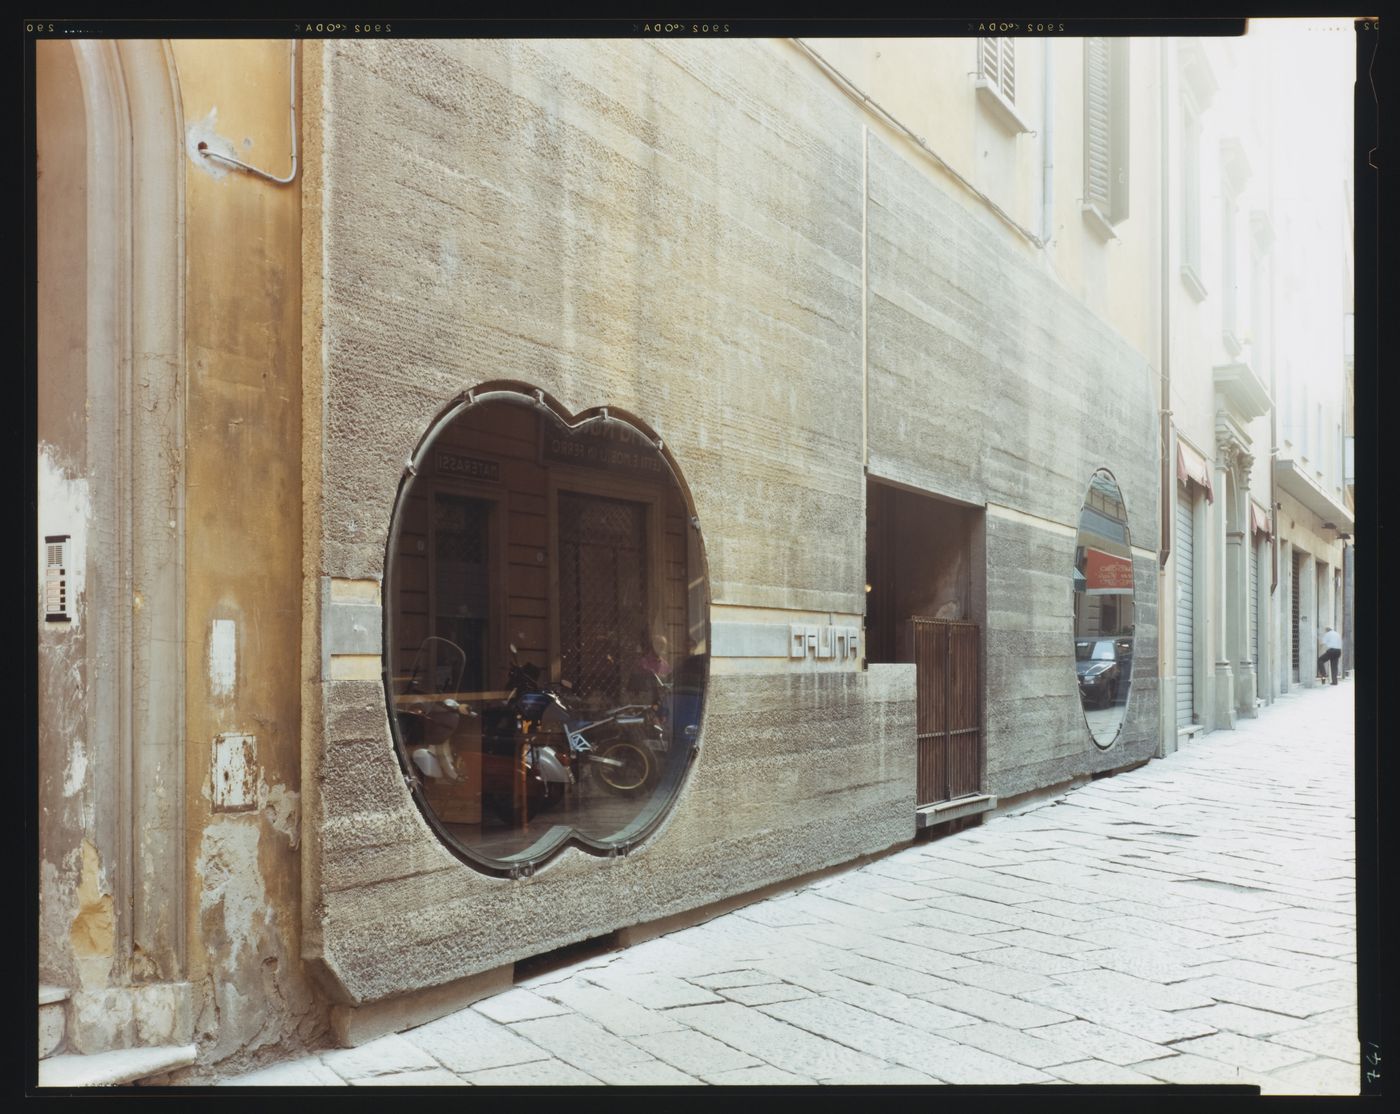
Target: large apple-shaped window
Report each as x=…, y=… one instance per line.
x=546, y=631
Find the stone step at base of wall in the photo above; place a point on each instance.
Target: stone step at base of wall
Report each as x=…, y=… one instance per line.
x=109, y=1069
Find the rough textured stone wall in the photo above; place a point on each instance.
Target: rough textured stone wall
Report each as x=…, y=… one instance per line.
x=672, y=230
x=675, y=230
x=1036, y=733
x=992, y=384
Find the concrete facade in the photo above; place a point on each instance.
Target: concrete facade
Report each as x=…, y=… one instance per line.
x=802, y=268
x=876, y=289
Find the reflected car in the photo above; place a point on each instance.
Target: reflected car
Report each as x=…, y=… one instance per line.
x=1101, y=675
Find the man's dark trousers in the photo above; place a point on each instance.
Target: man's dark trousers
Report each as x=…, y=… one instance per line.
x=1329, y=658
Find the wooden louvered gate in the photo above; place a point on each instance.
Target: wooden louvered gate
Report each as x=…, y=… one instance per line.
x=946, y=654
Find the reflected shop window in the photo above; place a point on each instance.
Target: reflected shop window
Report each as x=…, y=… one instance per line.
x=546, y=632
x=1103, y=608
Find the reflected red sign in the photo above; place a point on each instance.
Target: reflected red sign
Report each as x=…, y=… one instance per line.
x=1106, y=570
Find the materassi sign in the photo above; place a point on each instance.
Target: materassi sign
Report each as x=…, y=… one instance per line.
x=466, y=467
x=610, y=445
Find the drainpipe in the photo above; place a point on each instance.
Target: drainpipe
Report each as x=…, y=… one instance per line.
x=1273, y=383
x=1164, y=186
x=1047, y=147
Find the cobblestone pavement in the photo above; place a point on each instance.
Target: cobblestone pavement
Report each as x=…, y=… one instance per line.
x=1191, y=921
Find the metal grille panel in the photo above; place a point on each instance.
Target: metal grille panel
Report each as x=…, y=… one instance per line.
x=602, y=593
x=1254, y=606
x=1185, y=608
x=948, y=713
x=1297, y=578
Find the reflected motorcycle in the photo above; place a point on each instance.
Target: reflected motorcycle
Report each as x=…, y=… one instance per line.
x=562, y=745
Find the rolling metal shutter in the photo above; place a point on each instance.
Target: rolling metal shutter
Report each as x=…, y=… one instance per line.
x=1254, y=605
x=1185, y=584
x=1297, y=576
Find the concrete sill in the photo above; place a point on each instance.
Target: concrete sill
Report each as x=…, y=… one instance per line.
x=108, y=1069
x=1193, y=282
x=1185, y=734
x=51, y=994
x=941, y=813
x=1101, y=225
x=1001, y=109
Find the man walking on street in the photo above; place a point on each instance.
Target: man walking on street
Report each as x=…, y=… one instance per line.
x=1332, y=643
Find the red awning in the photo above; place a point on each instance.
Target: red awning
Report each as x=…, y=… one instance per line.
x=1192, y=467
x=1259, y=519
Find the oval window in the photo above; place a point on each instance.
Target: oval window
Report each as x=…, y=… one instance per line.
x=546, y=632
x=1103, y=608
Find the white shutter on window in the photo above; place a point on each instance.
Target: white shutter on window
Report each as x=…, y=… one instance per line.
x=999, y=65
x=1097, y=164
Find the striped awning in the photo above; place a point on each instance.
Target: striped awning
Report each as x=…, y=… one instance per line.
x=1192, y=467
x=1259, y=519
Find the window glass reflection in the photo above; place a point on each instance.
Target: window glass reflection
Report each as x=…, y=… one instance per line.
x=1103, y=608
x=547, y=633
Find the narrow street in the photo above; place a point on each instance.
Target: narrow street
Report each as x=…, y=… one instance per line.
x=1190, y=921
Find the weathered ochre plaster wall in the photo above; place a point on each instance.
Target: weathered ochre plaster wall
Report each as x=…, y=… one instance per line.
x=243, y=320
x=66, y=782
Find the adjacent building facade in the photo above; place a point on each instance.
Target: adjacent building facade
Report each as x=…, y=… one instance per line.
x=893, y=402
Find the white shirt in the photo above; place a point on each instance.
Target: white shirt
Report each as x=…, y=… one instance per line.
x=1332, y=640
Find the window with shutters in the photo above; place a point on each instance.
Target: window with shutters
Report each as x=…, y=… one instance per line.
x=1229, y=278
x=996, y=81
x=1105, y=133
x=1191, y=200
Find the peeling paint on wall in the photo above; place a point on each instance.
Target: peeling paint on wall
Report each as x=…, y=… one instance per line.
x=203, y=131
x=75, y=773
x=92, y=933
x=239, y=930
x=281, y=808
x=65, y=507
x=223, y=657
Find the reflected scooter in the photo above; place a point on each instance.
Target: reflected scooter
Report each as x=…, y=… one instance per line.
x=562, y=746
x=428, y=718
x=536, y=731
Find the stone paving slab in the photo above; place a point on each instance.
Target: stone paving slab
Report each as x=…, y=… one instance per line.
x=766, y=994
x=308, y=1072
x=896, y=978
x=1340, y=1042
x=785, y=1047
x=1096, y=1073
x=465, y=1041
x=1014, y=1044
x=1115, y=1012
x=1000, y=977
x=582, y=1043
x=391, y=1055
x=695, y=1052
x=423, y=1077
x=915, y=1012
x=518, y=1005
x=542, y=1073
x=1228, y=1017
x=1323, y=1075
x=999, y=1007
x=1102, y=1043
x=655, y=991
x=1247, y=1052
